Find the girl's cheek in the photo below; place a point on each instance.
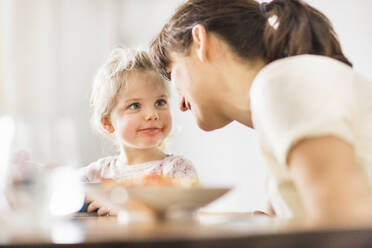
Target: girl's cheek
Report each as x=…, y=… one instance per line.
x=168, y=121
x=128, y=127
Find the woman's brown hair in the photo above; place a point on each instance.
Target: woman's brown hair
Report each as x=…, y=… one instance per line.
x=268, y=31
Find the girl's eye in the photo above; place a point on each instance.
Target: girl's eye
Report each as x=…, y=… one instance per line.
x=160, y=103
x=135, y=105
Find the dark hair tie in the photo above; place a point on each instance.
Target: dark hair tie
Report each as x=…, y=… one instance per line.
x=263, y=8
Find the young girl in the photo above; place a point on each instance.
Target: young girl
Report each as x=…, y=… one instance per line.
x=278, y=67
x=130, y=106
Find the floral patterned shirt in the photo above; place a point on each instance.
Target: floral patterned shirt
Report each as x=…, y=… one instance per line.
x=113, y=167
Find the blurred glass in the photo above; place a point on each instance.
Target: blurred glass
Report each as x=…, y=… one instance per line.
x=67, y=194
x=6, y=137
x=27, y=191
x=40, y=178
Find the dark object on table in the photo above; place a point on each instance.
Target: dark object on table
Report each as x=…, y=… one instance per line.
x=84, y=208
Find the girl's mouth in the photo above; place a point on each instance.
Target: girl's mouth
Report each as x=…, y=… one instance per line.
x=150, y=130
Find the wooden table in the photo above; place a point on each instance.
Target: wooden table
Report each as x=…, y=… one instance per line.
x=215, y=230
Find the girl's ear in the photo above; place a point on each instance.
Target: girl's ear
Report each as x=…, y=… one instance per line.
x=199, y=36
x=106, y=123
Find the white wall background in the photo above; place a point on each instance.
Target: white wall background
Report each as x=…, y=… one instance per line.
x=50, y=50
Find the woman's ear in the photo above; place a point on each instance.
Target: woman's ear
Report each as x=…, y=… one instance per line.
x=106, y=123
x=199, y=36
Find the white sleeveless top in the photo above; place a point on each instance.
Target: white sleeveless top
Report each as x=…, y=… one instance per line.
x=302, y=97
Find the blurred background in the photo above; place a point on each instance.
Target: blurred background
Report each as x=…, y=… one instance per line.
x=50, y=51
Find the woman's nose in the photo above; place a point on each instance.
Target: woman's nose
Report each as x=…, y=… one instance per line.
x=183, y=106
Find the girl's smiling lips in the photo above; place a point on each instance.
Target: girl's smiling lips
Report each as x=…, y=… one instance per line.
x=150, y=130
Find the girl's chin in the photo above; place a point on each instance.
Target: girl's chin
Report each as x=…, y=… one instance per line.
x=148, y=146
x=144, y=145
x=144, y=142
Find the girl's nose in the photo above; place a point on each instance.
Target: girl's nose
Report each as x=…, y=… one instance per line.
x=153, y=115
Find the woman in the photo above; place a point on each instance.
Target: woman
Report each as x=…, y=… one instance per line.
x=278, y=68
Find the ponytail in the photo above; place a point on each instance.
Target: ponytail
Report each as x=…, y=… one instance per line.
x=294, y=27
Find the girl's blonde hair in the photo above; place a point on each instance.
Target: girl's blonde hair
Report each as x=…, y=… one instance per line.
x=112, y=77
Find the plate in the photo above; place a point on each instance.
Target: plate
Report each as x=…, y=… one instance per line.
x=161, y=200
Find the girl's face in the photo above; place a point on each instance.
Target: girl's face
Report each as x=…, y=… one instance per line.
x=141, y=117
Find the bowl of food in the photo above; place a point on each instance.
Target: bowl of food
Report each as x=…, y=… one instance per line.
x=169, y=200
x=163, y=196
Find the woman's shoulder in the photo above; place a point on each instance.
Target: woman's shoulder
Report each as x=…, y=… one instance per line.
x=302, y=96
x=298, y=76
x=314, y=69
x=306, y=63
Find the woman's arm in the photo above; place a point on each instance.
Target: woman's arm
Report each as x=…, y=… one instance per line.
x=332, y=185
